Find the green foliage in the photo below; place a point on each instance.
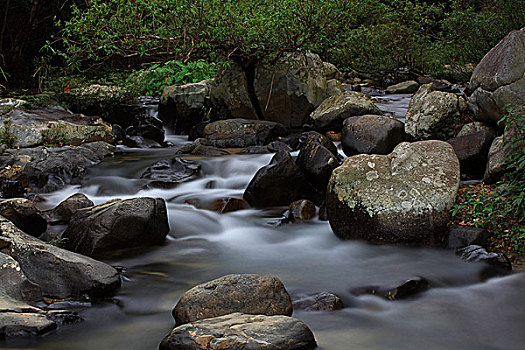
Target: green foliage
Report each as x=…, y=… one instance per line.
x=154, y=79
x=6, y=136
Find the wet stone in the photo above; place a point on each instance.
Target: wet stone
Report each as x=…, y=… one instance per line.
x=406, y=289
x=323, y=301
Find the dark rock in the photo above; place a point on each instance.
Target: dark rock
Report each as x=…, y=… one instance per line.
x=462, y=236
x=11, y=188
x=439, y=84
x=208, y=151
x=50, y=169
x=24, y=215
x=329, y=116
x=149, y=128
x=13, y=324
x=401, y=198
x=64, y=211
x=168, y=173
x=475, y=253
x=119, y=132
x=474, y=127
x=301, y=210
x=197, y=131
x=371, y=134
x=117, y=224
x=323, y=301
x=255, y=150
x=250, y=294
x=278, y=183
x=402, y=290
x=472, y=151
x=317, y=163
x=242, y=133
x=239, y=331
x=310, y=137
x=140, y=142
x=223, y=205
x=79, y=275
x=277, y=146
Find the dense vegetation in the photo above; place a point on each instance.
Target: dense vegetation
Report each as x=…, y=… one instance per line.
x=440, y=37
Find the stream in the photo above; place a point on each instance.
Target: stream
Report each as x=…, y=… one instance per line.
x=459, y=311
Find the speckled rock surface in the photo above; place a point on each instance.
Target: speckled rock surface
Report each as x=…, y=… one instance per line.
x=335, y=109
x=433, y=115
x=249, y=294
x=400, y=198
x=239, y=331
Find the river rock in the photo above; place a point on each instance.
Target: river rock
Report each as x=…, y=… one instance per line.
x=58, y=272
x=13, y=324
x=307, y=138
x=148, y=129
x=499, y=79
x=301, y=210
x=184, y=106
x=401, y=290
x=474, y=253
x=208, y=151
x=371, y=134
x=323, y=301
x=240, y=331
x=335, y=109
x=241, y=133
x=405, y=87
x=140, y=142
x=117, y=224
x=433, y=114
x=249, y=294
x=285, y=92
x=23, y=213
x=317, y=163
x=462, y=236
x=33, y=128
x=223, y=205
x=474, y=127
x=14, y=283
x=63, y=212
x=496, y=164
x=50, y=169
x=404, y=197
x=10, y=188
x=472, y=151
x=170, y=172
x=279, y=183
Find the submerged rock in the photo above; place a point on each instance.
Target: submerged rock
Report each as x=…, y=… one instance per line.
x=250, y=294
x=170, y=172
x=404, y=197
x=117, y=224
x=239, y=331
x=475, y=253
x=402, y=290
x=323, y=301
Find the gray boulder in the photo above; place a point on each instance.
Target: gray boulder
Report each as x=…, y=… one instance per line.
x=241, y=133
x=371, y=134
x=249, y=294
x=499, y=79
x=184, y=106
x=58, y=272
x=14, y=283
x=239, y=331
x=405, y=87
x=474, y=127
x=433, y=114
x=117, y=224
x=55, y=126
x=404, y=197
x=285, y=92
x=335, y=109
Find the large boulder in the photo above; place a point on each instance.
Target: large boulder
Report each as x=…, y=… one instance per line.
x=279, y=183
x=241, y=133
x=499, y=79
x=335, y=109
x=63, y=212
x=404, y=197
x=285, y=92
x=59, y=273
x=184, y=106
x=472, y=151
x=249, y=294
x=240, y=331
x=433, y=115
x=118, y=224
x=54, y=126
x=371, y=134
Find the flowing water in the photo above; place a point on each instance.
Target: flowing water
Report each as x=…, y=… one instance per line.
x=460, y=311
